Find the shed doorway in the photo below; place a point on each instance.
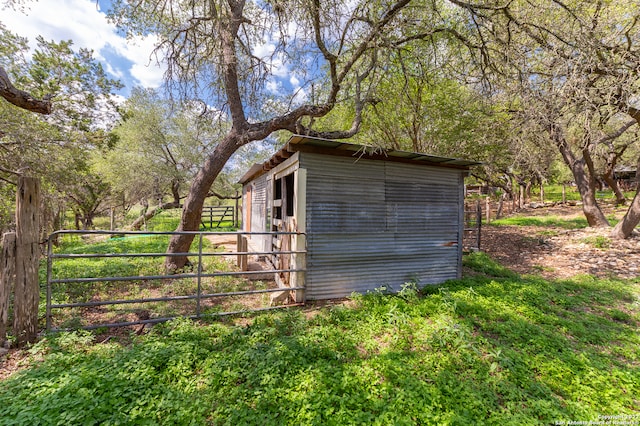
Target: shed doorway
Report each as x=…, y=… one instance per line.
x=283, y=205
x=283, y=202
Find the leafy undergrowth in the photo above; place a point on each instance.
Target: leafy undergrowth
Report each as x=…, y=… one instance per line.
x=494, y=348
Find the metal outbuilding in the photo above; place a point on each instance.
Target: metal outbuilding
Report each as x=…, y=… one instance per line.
x=371, y=217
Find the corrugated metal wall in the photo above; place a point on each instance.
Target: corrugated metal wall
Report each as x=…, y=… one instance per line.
x=258, y=212
x=374, y=223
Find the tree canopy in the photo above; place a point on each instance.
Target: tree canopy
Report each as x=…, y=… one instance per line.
x=520, y=85
x=55, y=147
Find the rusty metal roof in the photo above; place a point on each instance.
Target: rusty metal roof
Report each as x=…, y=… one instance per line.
x=300, y=143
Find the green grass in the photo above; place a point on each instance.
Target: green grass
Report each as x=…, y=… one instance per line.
x=494, y=348
x=553, y=193
x=550, y=221
x=547, y=221
x=167, y=220
x=598, y=241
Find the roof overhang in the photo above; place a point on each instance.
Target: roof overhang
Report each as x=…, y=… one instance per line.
x=299, y=143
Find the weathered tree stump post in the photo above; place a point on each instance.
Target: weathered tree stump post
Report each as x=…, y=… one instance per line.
x=7, y=280
x=27, y=290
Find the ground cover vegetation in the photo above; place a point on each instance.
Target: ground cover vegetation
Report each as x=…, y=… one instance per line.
x=492, y=348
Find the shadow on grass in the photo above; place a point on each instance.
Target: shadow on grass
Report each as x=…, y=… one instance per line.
x=491, y=349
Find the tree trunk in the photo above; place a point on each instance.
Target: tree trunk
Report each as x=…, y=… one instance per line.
x=88, y=220
x=147, y=215
x=585, y=183
x=620, y=198
x=175, y=191
x=27, y=290
x=192, y=210
x=625, y=227
x=587, y=188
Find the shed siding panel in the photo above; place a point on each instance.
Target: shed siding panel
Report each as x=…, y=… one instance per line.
x=374, y=223
x=258, y=213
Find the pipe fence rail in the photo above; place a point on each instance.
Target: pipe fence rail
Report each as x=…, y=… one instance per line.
x=216, y=279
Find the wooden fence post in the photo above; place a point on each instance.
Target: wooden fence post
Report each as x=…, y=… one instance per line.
x=478, y=223
x=500, y=206
x=7, y=281
x=488, y=202
x=242, y=247
x=27, y=290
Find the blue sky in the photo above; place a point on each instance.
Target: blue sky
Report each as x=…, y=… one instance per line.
x=84, y=22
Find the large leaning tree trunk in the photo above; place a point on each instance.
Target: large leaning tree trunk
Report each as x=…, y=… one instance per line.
x=624, y=228
x=192, y=210
x=585, y=180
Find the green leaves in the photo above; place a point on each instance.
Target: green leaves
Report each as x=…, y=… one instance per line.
x=484, y=350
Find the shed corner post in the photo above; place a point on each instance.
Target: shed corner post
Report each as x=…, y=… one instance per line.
x=461, y=222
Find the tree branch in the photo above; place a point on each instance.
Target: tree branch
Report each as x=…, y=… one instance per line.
x=22, y=99
x=223, y=197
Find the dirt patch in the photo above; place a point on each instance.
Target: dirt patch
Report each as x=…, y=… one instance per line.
x=12, y=360
x=229, y=243
x=554, y=252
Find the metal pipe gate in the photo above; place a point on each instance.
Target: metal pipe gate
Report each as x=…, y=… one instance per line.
x=198, y=275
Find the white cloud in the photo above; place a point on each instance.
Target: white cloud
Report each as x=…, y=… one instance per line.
x=300, y=96
x=147, y=75
x=275, y=61
x=145, y=69
x=83, y=22
x=273, y=86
